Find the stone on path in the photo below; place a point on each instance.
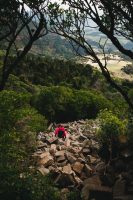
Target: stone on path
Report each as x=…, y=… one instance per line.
x=93, y=184
x=52, y=140
x=59, y=153
x=77, y=167
x=67, y=169
x=44, y=171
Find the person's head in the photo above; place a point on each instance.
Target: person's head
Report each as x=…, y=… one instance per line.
x=59, y=125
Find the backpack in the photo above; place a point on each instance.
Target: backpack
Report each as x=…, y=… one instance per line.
x=60, y=133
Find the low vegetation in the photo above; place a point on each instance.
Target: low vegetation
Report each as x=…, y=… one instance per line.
x=47, y=91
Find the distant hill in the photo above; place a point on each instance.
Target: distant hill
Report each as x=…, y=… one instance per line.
x=55, y=46
x=93, y=36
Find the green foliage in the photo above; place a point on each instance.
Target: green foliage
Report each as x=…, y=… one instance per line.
x=110, y=126
x=130, y=128
x=39, y=187
x=111, y=133
x=31, y=119
x=48, y=71
x=131, y=94
x=15, y=109
x=2, y=53
x=20, y=84
x=59, y=103
x=32, y=186
x=19, y=124
x=74, y=195
x=52, y=100
x=120, y=108
x=10, y=103
x=86, y=104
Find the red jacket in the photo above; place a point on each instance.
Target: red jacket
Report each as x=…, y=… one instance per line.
x=61, y=128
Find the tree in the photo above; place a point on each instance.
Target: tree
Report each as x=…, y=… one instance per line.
x=22, y=23
x=113, y=18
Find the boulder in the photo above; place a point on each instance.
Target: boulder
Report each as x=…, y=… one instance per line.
x=46, y=161
x=81, y=160
x=70, y=158
x=91, y=159
x=88, y=170
x=52, y=140
x=67, y=169
x=119, y=188
x=62, y=164
x=77, y=167
x=87, y=143
x=94, y=185
x=82, y=137
x=45, y=154
x=44, y=171
x=41, y=144
x=100, y=167
x=65, y=180
x=60, y=159
x=77, y=180
x=67, y=142
x=52, y=149
x=86, y=151
x=59, y=153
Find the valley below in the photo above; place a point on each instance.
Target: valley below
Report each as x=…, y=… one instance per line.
x=114, y=64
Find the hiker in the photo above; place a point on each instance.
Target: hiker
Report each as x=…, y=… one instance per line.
x=60, y=132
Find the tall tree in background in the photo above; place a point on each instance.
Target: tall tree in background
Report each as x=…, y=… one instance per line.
x=114, y=18
x=21, y=24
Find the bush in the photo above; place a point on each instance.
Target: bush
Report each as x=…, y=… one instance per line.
x=110, y=126
x=14, y=107
x=52, y=100
x=59, y=103
x=130, y=128
x=10, y=103
x=19, y=124
x=110, y=132
x=74, y=195
x=20, y=85
x=130, y=93
x=32, y=186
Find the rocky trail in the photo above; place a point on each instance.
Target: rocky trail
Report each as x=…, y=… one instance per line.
x=75, y=163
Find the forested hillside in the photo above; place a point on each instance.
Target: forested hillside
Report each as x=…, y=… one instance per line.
x=70, y=90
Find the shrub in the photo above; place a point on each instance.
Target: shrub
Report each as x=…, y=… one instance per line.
x=19, y=124
x=20, y=85
x=59, y=103
x=10, y=103
x=14, y=107
x=130, y=128
x=131, y=94
x=32, y=186
x=40, y=188
x=74, y=195
x=110, y=126
x=52, y=100
x=110, y=132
